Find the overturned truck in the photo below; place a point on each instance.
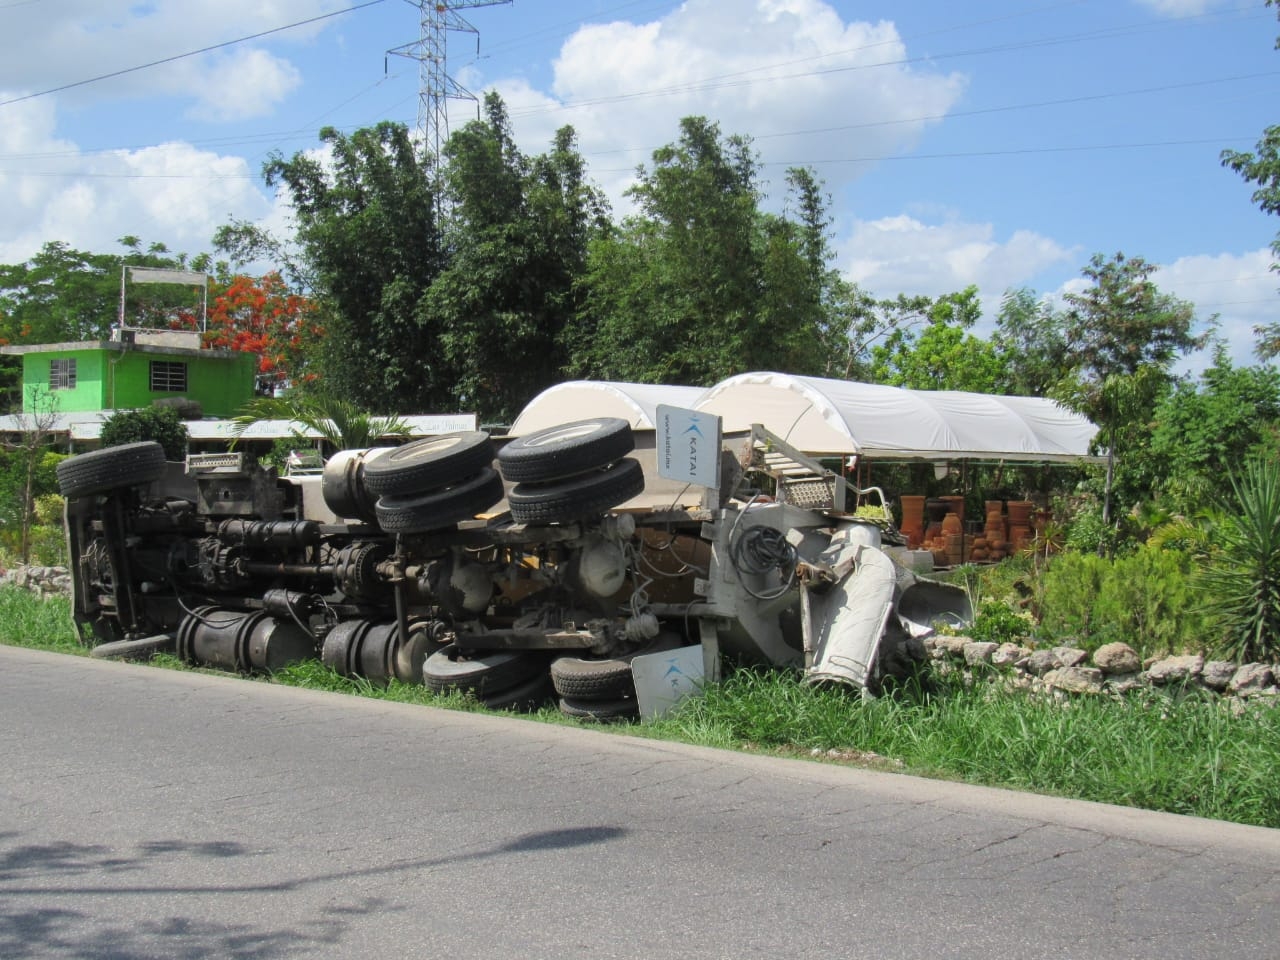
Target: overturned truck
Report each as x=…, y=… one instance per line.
x=523, y=573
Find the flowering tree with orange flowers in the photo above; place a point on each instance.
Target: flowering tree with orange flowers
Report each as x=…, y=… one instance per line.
x=265, y=317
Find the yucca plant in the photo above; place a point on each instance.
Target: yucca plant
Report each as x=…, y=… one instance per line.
x=1242, y=577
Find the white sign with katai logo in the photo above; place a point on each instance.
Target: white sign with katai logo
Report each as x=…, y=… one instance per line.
x=688, y=446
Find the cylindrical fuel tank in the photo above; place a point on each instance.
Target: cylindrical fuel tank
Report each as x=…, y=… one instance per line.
x=241, y=640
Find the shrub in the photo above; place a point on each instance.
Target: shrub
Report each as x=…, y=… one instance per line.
x=48, y=509
x=159, y=424
x=1068, y=595
x=999, y=623
x=1149, y=599
x=1152, y=601
x=1242, y=579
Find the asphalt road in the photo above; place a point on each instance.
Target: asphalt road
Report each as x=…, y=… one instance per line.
x=150, y=813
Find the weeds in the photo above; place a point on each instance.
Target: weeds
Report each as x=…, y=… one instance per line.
x=28, y=621
x=1187, y=755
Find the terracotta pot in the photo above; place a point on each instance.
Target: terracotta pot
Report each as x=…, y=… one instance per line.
x=1020, y=513
x=956, y=505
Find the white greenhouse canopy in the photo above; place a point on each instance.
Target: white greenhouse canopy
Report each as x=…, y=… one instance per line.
x=878, y=422
x=636, y=403
x=841, y=418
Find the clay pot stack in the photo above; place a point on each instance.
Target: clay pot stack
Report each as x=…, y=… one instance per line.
x=912, y=520
x=1020, y=532
x=944, y=534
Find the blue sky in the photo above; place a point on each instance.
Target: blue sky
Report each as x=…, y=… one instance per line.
x=1000, y=143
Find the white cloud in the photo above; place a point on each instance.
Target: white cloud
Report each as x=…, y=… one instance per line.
x=51, y=191
x=83, y=39
x=904, y=255
x=809, y=87
x=1180, y=8
x=243, y=84
x=1240, y=288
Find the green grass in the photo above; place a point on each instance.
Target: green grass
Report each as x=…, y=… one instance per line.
x=27, y=621
x=1182, y=754
x=1186, y=754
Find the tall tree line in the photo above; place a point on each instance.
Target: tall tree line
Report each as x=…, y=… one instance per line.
x=476, y=283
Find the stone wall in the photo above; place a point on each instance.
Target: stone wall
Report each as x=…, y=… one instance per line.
x=1114, y=668
x=42, y=581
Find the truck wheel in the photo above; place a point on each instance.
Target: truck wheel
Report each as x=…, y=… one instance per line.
x=582, y=679
x=524, y=697
x=440, y=508
x=485, y=673
x=111, y=468
x=603, y=711
x=578, y=497
x=428, y=464
x=557, y=453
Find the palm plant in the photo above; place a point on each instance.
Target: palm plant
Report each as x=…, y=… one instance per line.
x=341, y=423
x=1242, y=577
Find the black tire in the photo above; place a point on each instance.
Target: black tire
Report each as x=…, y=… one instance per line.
x=603, y=711
x=578, y=497
x=485, y=673
x=524, y=697
x=143, y=649
x=582, y=679
x=564, y=451
x=429, y=464
x=111, y=468
x=440, y=508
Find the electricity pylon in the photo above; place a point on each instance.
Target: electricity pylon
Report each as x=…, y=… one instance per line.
x=435, y=86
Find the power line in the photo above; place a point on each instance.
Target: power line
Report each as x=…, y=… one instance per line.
x=305, y=132
x=191, y=53
x=888, y=158
x=744, y=77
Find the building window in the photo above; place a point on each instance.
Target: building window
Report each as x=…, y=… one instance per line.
x=168, y=376
x=62, y=374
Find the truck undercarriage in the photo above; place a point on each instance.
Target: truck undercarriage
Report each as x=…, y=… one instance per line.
x=541, y=579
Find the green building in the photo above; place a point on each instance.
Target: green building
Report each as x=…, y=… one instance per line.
x=134, y=371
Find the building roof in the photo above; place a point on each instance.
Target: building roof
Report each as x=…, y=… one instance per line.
x=118, y=347
x=87, y=426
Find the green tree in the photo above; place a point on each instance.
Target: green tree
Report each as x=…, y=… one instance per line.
x=1208, y=428
x=943, y=355
x=1030, y=337
x=160, y=425
x=67, y=295
x=517, y=240
x=699, y=284
x=30, y=451
x=1262, y=168
x=1242, y=580
x=366, y=224
x=1124, y=336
